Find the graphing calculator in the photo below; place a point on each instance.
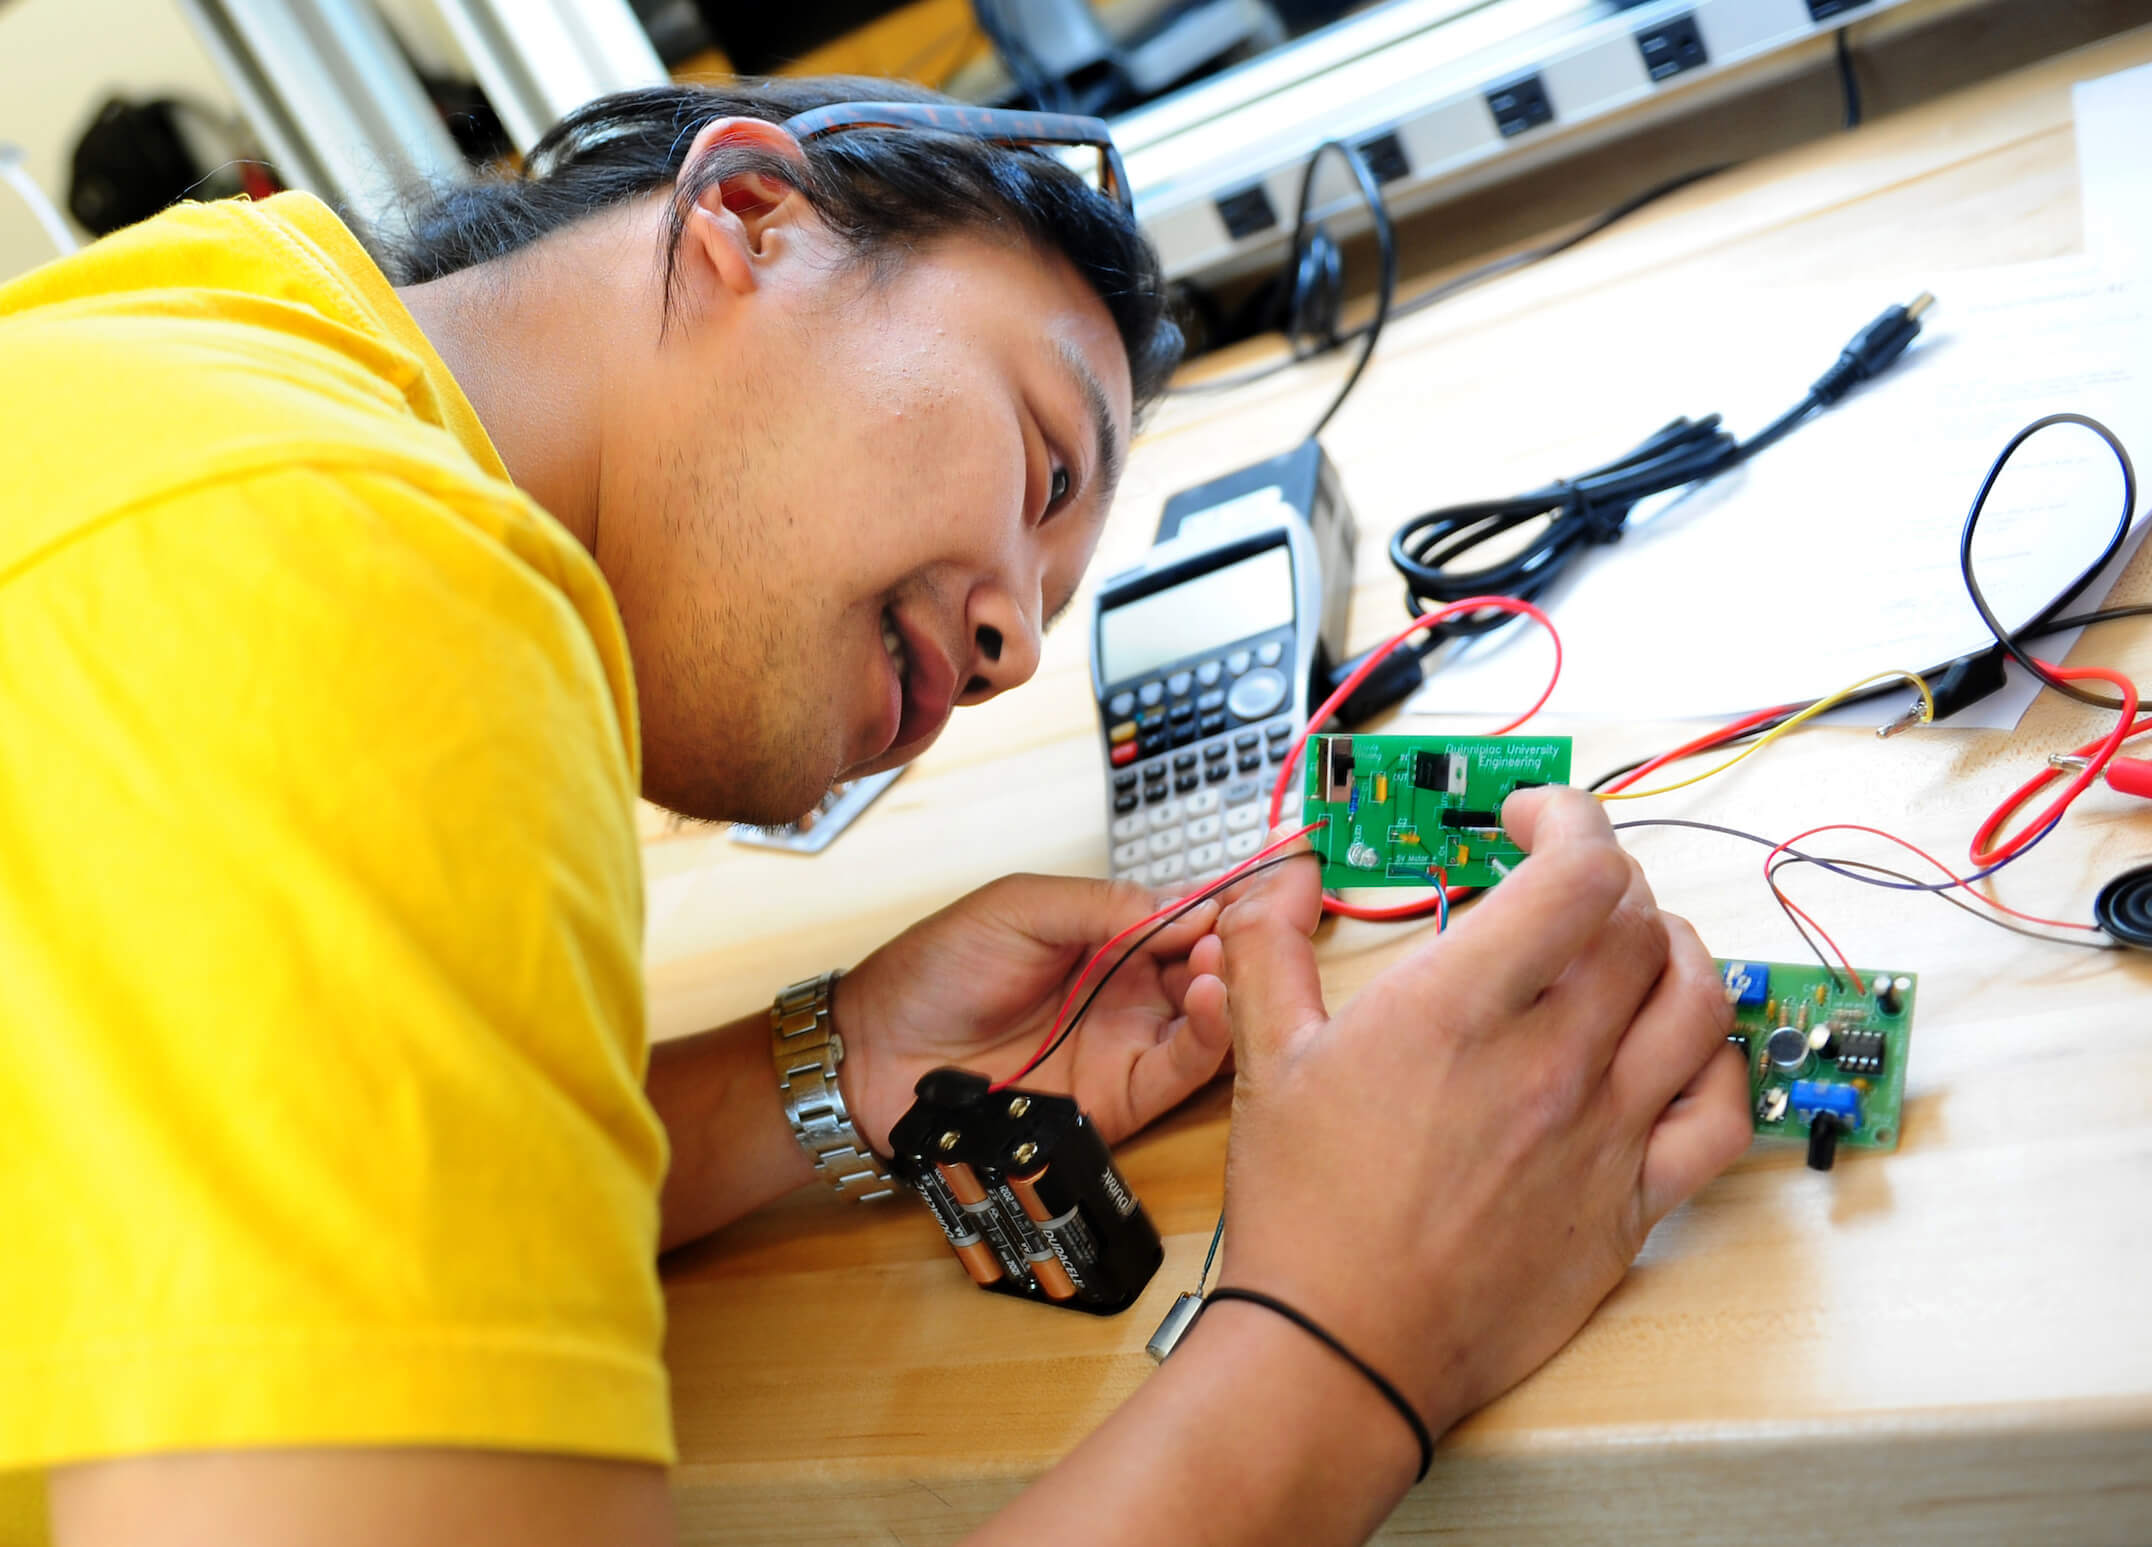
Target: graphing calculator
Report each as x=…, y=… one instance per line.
x=1207, y=657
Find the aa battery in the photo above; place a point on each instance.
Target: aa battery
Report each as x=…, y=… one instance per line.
x=945, y=1190
x=978, y=1259
x=1068, y=1233
x=963, y=1183
x=1074, y=1248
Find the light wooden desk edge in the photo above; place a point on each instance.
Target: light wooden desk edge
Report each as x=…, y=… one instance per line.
x=1952, y=1342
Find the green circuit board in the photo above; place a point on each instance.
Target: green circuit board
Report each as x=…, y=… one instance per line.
x=1398, y=807
x=1816, y=1044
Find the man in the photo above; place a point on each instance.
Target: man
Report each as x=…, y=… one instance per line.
x=340, y=627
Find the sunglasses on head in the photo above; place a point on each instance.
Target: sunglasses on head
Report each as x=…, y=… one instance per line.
x=996, y=126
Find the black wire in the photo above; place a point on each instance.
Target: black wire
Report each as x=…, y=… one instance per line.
x=2004, y=640
x=1843, y=868
x=1192, y=900
x=2030, y=631
x=1984, y=915
x=1211, y=1256
x=2087, y=619
x=1385, y=244
x=1785, y=906
x=1592, y=508
x=1494, y=268
x=1848, y=82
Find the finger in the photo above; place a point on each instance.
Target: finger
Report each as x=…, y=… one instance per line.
x=1076, y=911
x=1552, y=813
x=1205, y=958
x=1206, y=985
x=1682, y=1025
x=1524, y=936
x=1186, y=1059
x=1599, y=996
x=1183, y=932
x=1295, y=886
x=1273, y=991
x=1699, y=1136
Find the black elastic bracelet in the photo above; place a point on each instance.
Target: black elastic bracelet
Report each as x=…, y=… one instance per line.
x=1390, y=1393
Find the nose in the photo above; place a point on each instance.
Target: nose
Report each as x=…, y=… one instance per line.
x=1005, y=646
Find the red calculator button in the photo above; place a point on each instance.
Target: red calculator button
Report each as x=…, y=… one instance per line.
x=1124, y=754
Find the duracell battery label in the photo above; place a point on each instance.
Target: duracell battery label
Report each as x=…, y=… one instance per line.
x=994, y=1225
x=1073, y=1239
x=1027, y=1234
x=1069, y=1236
x=1054, y=1279
x=962, y=1182
x=973, y=1234
x=940, y=1204
x=1124, y=1201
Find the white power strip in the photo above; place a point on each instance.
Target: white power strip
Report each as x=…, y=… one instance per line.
x=1435, y=93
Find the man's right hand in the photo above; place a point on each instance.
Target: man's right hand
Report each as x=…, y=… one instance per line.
x=1454, y=1170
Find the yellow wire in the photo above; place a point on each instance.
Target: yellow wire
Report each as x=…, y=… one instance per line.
x=1927, y=716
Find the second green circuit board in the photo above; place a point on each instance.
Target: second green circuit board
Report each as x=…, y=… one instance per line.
x=1399, y=807
x=1826, y=1053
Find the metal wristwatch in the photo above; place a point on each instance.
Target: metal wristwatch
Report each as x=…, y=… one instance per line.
x=807, y=1050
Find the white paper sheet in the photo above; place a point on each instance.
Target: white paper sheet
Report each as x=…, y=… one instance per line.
x=1834, y=555
x=2114, y=166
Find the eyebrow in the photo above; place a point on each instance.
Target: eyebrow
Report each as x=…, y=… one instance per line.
x=1105, y=435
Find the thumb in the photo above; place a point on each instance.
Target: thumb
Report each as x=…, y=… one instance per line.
x=1273, y=990
x=1073, y=910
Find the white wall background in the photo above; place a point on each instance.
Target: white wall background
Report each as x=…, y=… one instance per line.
x=59, y=60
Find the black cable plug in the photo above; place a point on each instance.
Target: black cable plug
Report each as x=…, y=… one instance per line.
x=1573, y=514
x=1958, y=686
x=1390, y=683
x=1873, y=350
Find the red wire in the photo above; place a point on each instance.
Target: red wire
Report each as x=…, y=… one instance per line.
x=1375, y=657
x=2096, y=753
x=1076, y=988
x=1914, y=848
x=1702, y=743
x=1836, y=950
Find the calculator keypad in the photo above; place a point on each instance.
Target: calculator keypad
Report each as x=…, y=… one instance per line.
x=1194, y=835
x=1193, y=754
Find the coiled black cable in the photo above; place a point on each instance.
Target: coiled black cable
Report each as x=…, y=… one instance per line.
x=1593, y=508
x=1305, y=239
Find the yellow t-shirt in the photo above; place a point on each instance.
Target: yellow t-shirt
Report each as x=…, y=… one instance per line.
x=321, y=1006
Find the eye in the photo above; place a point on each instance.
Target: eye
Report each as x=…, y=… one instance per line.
x=1057, y=489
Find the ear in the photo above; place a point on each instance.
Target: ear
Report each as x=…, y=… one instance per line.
x=738, y=224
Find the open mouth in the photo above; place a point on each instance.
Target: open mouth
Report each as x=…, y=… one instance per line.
x=925, y=682
x=893, y=642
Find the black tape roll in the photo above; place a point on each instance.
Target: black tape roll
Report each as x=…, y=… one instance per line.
x=2124, y=907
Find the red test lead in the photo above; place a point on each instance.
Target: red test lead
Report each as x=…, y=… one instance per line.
x=2125, y=775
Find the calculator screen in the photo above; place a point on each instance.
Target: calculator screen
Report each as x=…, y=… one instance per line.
x=1232, y=602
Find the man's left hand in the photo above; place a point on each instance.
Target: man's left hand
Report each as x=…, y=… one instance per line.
x=978, y=984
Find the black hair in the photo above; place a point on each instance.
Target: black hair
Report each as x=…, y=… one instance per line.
x=884, y=192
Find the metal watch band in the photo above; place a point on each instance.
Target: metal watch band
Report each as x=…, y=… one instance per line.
x=807, y=1050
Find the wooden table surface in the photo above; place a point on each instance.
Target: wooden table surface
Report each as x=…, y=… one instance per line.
x=1950, y=1342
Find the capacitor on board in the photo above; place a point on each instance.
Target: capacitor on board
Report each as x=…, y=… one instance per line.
x=1890, y=994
